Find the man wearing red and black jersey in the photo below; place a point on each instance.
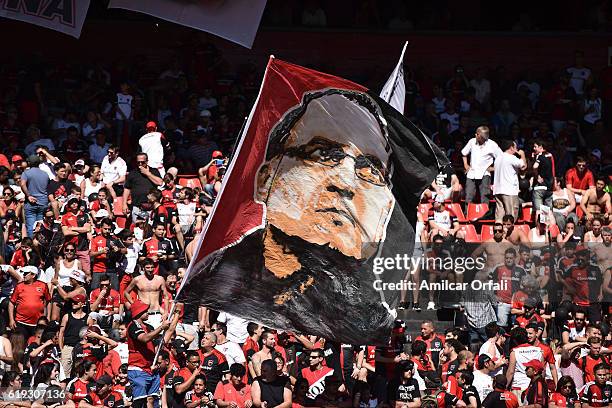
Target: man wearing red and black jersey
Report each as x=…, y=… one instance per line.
x=584, y=283
x=508, y=276
x=451, y=349
x=105, y=251
x=103, y=395
x=434, y=341
x=251, y=345
x=183, y=379
x=588, y=363
x=141, y=347
x=80, y=387
x=500, y=397
x=166, y=374
x=214, y=364
x=158, y=248
x=598, y=393
x=529, y=316
x=75, y=227
x=315, y=373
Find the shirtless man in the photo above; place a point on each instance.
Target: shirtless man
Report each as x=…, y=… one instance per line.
x=514, y=235
x=494, y=248
x=603, y=251
x=150, y=289
x=597, y=202
x=266, y=353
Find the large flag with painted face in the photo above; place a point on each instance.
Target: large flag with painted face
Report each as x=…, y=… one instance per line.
x=321, y=190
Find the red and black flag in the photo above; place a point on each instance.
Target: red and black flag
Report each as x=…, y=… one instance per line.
x=323, y=184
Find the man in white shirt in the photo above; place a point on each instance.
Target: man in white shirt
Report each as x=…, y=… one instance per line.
x=152, y=143
x=114, y=170
x=232, y=351
x=483, y=381
x=580, y=75
x=236, y=327
x=506, y=181
x=482, y=152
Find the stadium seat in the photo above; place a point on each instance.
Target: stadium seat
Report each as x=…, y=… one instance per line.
x=487, y=232
x=476, y=211
x=191, y=182
x=526, y=214
x=470, y=233
x=457, y=211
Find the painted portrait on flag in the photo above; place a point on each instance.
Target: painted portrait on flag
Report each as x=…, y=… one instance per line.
x=323, y=185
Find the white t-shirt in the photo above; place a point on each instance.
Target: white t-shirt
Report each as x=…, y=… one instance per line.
x=150, y=144
x=579, y=77
x=124, y=104
x=232, y=352
x=453, y=120
x=482, y=87
x=481, y=157
x=523, y=354
x=483, y=384
x=89, y=131
x=236, y=327
x=506, y=179
x=112, y=171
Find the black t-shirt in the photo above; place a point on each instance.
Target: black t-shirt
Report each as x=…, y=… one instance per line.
x=60, y=189
x=468, y=392
x=272, y=392
x=545, y=169
x=408, y=392
x=171, y=397
x=444, y=178
x=331, y=351
x=140, y=185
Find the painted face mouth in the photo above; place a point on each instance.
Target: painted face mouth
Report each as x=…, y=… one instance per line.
x=340, y=212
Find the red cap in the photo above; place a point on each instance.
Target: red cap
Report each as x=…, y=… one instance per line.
x=79, y=298
x=217, y=153
x=151, y=125
x=535, y=364
x=138, y=308
x=16, y=157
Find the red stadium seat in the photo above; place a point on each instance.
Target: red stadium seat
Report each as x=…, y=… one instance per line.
x=486, y=233
x=121, y=221
x=470, y=233
x=476, y=211
x=526, y=214
x=457, y=211
x=118, y=206
x=191, y=182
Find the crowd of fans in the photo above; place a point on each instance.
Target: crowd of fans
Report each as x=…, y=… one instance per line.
x=107, y=177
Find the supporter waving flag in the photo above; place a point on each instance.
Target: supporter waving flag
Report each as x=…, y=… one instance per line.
x=323, y=185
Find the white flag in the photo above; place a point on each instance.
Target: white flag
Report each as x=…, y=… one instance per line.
x=66, y=16
x=234, y=20
x=394, y=91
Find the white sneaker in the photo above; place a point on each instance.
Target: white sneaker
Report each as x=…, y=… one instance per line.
x=431, y=306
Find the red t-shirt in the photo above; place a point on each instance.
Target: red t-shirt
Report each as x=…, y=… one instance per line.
x=141, y=354
x=101, y=262
x=30, y=301
x=108, y=303
x=587, y=365
x=229, y=393
x=18, y=259
x=79, y=390
x=562, y=402
x=583, y=183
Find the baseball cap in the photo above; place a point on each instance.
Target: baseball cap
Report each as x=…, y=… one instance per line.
x=79, y=162
x=79, y=298
x=101, y=213
x=78, y=276
x=217, y=153
x=138, y=308
x=173, y=171
x=483, y=359
x=205, y=113
x=104, y=380
x=29, y=269
x=151, y=124
x=596, y=153
x=179, y=345
x=16, y=158
x=535, y=364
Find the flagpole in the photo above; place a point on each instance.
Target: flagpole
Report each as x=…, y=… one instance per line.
x=396, y=72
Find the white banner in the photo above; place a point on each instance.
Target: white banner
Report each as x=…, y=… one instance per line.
x=66, y=16
x=234, y=20
x=394, y=91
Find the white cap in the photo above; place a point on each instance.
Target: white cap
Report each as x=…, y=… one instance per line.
x=205, y=113
x=78, y=276
x=101, y=213
x=79, y=162
x=29, y=269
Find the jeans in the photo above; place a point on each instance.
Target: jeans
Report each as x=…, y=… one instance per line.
x=541, y=196
x=477, y=335
x=33, y=213
x=484, y=187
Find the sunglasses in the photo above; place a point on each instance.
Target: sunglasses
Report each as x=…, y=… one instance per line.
x=69, y=250
x=142, y=162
